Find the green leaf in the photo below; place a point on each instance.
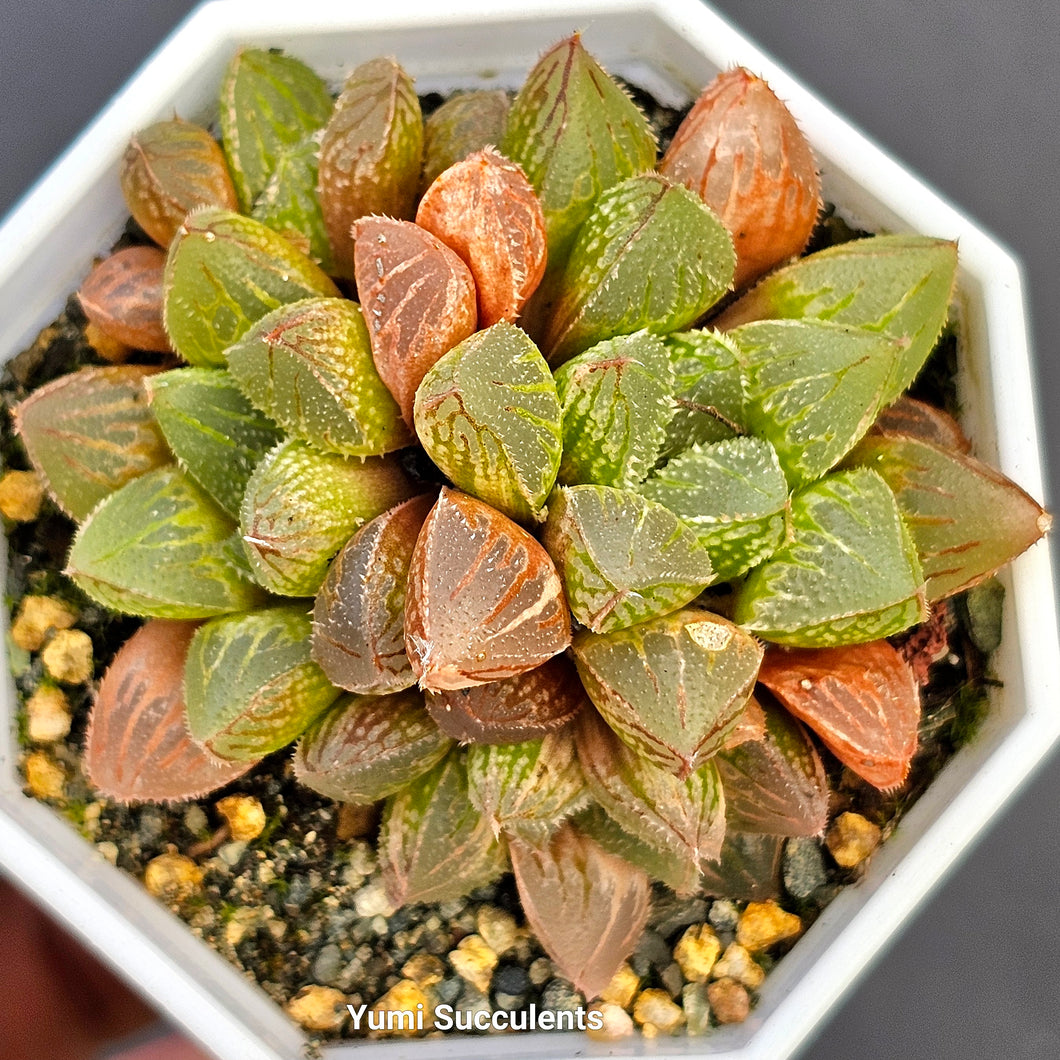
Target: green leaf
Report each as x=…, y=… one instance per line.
x=434, y=845
x=623, y=558
x=250, y=685
x=289, y=203
x=650, y=255
x=371, y=153
x=488, y=415
x=301, y=506
x=672, y=688
x=309, y=366
x=813, y=388
x=466, y=122
x=575, y=133
x=616, y=400
x=216, y=434
x=368, y=747
x=649, y=803
x=270, y=102
x=661, y=863
x=847, y=574
x=223, y=274
x=967, y=519
x=776, y=785
x=160, y=547
x=707, y=391
x=732, y=494
x=89, y=432
x=897, y=285
x=526, y=789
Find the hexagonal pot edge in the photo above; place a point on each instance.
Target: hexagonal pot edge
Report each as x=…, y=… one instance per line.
x=668, y=45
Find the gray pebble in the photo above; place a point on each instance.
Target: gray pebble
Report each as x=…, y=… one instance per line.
x=510, y=979
x=150, y=826
x=339, y=922
x=804, y=869
x=651, y=951
x=449, y=989
x=560, y=996
x=473, y=1000
x=327, y=966
x=350, y=976
x=670, y=913
x=723, y=915
x=697, y=1008
x=672, y=979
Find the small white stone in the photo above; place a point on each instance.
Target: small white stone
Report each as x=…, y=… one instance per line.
x=230, y=853
x=195, y=820
x=371, y=900
x=617, y=1022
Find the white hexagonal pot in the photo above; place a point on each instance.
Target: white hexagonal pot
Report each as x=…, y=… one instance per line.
x=670, y=47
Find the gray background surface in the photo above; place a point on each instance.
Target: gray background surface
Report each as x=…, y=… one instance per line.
x=968, y=93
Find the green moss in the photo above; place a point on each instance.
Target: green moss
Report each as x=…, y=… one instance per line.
x=972, y=704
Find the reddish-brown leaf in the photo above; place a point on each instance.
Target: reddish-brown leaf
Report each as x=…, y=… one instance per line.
x=359, y=615
x=138, y=748
x=123, y=298
x=169, y=169
x=748, y=869
x=775, y=784
x=916, y=419
x=485, y=209
x=523, y=707
x=417, y=297
x=587, y=907
x=740, y=149
x=861, y=700
x=483, y=602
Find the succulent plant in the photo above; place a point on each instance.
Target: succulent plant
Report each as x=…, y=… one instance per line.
x=570, y=560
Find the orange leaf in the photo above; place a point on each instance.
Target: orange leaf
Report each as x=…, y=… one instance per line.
x=740, y=149
x=485, y=209
x=861, y=700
